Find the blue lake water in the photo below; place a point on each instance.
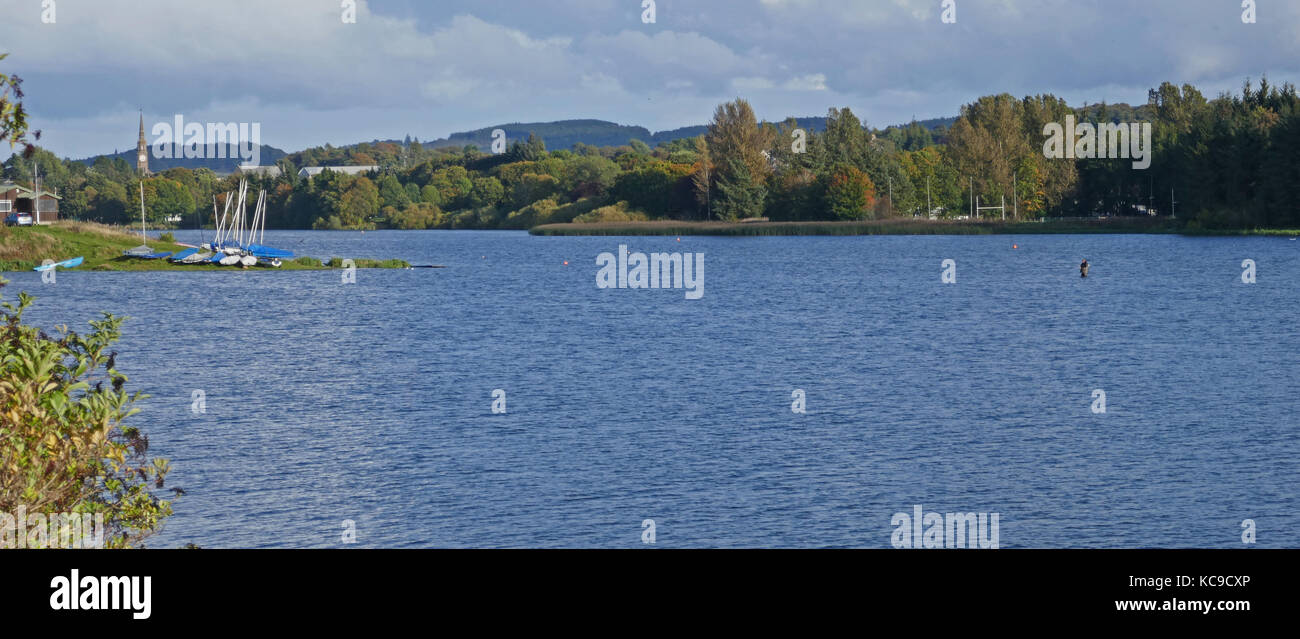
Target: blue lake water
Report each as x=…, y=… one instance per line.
x=372, y=401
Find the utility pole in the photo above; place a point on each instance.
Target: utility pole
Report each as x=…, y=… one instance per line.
x=929, y=208
x=1015, y=196
x=36, y=190
x=891, y=196
x=972, y=198
x=1172, y=206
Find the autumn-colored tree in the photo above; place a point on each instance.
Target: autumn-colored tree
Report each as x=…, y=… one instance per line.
x=13, y=117
x=65, y=446
x=734, y=137
x=850, y=195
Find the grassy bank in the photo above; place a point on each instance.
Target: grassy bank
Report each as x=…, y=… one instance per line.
x=26, y=247
x=903, y=226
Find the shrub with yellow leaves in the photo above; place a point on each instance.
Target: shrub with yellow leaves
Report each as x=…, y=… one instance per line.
x=64, y=446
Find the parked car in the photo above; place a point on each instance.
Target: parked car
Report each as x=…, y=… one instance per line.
x=18, y=219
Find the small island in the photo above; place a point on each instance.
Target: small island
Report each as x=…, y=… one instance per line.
x=23, y=248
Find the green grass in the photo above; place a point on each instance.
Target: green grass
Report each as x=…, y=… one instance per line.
x=1263, y=232
x=24, y=248
x=904, y=226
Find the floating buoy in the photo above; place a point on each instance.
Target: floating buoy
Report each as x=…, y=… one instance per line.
x=679, y=239
x=1015, y=246
x=566, y=262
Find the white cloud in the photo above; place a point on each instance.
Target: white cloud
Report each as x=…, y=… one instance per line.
x=456, y=64
x=810, y=82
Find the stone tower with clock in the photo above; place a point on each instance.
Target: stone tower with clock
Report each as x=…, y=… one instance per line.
x=142, y=151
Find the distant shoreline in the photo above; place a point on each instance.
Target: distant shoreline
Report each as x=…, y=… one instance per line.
x=896, y=227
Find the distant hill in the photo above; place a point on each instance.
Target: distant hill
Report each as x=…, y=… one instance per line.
x=220, y=165
x=558, y=135
x=932, y=124
x=563, y=134
x=566, y=133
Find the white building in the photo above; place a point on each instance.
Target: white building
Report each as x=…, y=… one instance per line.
x=264, y=171
x=313, y=171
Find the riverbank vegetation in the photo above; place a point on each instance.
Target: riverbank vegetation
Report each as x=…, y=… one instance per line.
x=888, y=226
x=65, y=446
x=1225, y=163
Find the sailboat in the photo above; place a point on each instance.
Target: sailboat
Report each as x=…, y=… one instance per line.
x=268, y=254
x=197, y=255
x=72, y=263
x=232, y=246
x=143, y=250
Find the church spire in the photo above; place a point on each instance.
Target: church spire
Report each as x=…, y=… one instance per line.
x=142, y=150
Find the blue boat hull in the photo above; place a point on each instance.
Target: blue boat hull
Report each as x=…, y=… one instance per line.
x=72, y=263
x=184, y=254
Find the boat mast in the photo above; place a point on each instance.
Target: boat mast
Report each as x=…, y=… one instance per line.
x=243, y=212
x=221, y=226
x=238, y=219
x=143, y=237
x=260, y=217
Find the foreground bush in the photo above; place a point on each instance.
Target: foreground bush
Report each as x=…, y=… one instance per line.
x=63, y=445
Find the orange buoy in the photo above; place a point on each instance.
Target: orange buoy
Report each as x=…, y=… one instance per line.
x=566, y=262
x=1015, y=246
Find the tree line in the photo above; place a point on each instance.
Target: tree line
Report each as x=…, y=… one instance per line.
x=1226, y=161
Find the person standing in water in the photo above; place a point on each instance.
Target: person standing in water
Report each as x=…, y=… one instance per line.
x=1083, y=268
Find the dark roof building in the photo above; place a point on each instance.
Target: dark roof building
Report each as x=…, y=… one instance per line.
x=18, y=198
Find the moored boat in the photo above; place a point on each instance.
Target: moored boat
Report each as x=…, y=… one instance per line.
x=72, y=263
x=184, y=255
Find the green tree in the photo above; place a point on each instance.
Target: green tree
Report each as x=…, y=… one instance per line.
x=529, y=150
x=430, y=195
x=658, y=188
x=414, y=217
x=391, y=193
x=163, y=198
x=454, y=186
x=702, y=178
x=65, y=446
x=532, y=187
x=591, y=175
x=739, y=196
x=358, y=203
x=850, y=195
x=845, y=141
x=486, y=191
x=737, y=143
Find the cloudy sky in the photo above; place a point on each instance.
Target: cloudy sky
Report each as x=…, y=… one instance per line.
x=432, y=67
